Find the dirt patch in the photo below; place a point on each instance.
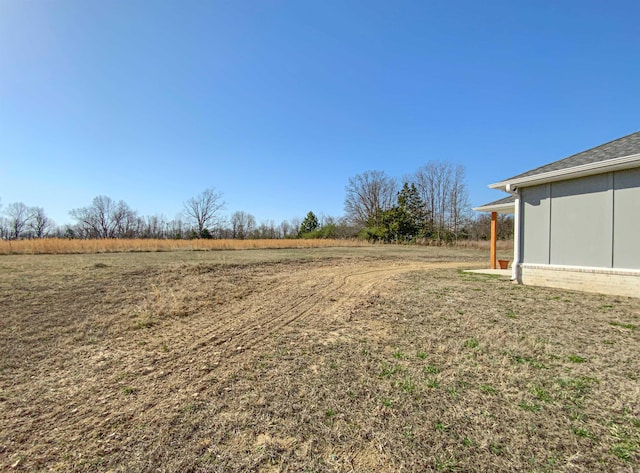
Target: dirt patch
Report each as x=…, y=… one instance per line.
x=384, y=360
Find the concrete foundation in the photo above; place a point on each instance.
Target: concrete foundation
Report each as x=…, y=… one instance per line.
x=601, y=280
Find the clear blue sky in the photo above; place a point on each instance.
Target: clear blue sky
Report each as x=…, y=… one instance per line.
x=277, y=103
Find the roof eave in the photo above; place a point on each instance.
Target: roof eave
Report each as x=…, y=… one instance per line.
x=616, y=164
x=500, y=208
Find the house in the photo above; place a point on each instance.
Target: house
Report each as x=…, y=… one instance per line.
x=577, y=220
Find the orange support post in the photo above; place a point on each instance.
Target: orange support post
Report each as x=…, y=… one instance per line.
x=494, y=237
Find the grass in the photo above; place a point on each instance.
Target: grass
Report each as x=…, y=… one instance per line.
x=512, y=315
x=408, y=386
x=389, y=371
x=433, y=383
x=582, y=432
x=398, y=355
x=431, y=369
x=577, y=359
x=128, y=390
x=627, y=326
x=488, y=389
x=330, y=359
x=471, y=343
x=541, y=394
x=447, y=463
x=536, y=364
x=54, y=246
x=530, y=406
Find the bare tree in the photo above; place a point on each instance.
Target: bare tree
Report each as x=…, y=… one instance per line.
x=242, y=225
x=104, y=218
x=480, y=227
x=266, y=230
x=4, y=229
x=94, y=219
x=203, y=209
x=39, y=223
x=432, y=182
x=4, y=226
x=285, y=230
x=154, y=226
x=294, y=224
x=18, y=216
x=66, y=231
x=459, y=207
x=176, y=229
x=368, y=194
x=125, y=221
x=443, y=189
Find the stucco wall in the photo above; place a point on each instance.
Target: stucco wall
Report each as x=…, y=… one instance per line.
x=581, y=221
x=535, y=234
x=626, y=230
x=592, y=221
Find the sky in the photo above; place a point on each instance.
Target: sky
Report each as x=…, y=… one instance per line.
x=277, y=103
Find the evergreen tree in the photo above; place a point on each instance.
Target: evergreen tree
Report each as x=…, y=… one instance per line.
x=309, y=224
x=407, y=220
x=414, y=216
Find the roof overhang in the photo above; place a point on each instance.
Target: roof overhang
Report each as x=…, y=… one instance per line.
x=616, y=164
x=508, y=208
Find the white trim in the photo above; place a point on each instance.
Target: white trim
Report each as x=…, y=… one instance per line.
x=582, y=269
x=615, y=164
x=500, y=208
x=517, y=253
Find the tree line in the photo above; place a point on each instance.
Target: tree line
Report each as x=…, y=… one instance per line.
x=430, y=204
x=201, y=218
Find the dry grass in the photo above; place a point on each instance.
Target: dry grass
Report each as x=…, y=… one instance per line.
x=380, y=359
x=503, y=245
x=58, y=246
x=53, y=246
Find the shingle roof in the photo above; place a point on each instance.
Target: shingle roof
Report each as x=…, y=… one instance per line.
x=510, y=199
x=625, y=146
x=500, y=205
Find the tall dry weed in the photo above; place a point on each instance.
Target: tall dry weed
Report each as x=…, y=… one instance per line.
x=51, y=246
x=54, y=246
x=471, y=244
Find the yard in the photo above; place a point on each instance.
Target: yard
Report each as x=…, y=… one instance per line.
x=381, y=359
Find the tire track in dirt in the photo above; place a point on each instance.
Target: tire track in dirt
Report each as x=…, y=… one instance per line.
x=247, y=324
x=264, y=316
x=353, y=285
x=235, y=324
x=279, y=315
x=96, y=385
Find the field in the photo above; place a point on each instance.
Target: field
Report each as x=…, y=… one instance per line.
x=60, y=246
x=379, y=358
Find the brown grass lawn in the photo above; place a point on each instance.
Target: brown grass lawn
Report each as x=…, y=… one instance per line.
x=381, y=359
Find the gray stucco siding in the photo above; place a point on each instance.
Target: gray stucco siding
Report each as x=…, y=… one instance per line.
x=626, y=230
x=535, y=224
x=581, y=221
x=590, y=222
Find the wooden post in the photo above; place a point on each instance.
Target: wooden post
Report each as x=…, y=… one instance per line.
x=494, y=237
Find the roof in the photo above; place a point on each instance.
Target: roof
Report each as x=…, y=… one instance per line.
x=621, y=153
x=505, y=205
